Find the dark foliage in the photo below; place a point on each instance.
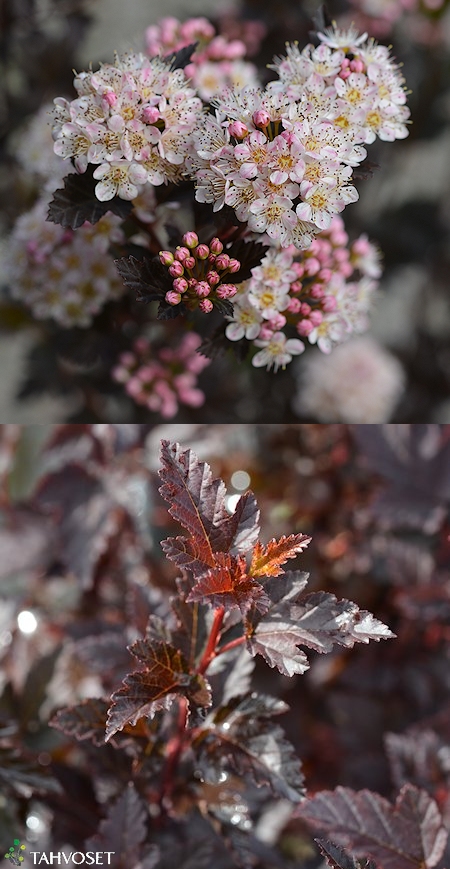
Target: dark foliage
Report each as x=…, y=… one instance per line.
x=142, y=718
x=76, y=202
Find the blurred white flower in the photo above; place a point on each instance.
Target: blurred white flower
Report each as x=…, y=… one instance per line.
x=359, y=382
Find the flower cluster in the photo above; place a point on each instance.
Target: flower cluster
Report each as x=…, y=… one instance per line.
x=198, y=272
x=361, y=382
x=217, y=62
x=33, y=150
x=133, y=119
x=318, y=293
x=163, y=382
x=60, y=273
x=283, y=156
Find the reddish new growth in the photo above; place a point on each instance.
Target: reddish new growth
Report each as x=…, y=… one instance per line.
x=198, y=272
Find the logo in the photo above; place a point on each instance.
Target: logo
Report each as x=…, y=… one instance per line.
x=15, y=853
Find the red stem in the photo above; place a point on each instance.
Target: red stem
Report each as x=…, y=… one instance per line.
x=231, y=645
x=210, y=651
x=175, y=748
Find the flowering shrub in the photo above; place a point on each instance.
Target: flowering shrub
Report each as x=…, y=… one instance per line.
x=159, y=688
x=224, y=194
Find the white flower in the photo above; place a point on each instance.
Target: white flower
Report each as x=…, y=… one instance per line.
x=360, y=382
x=119, y=178
x=332, y=330
x=269, y=300
x=276, y=352
x=275, y=270
x=273, y=215
x=348, y=40
x=245, y=322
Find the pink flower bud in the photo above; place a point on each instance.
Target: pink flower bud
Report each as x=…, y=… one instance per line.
x=189, y=262
x=305, y=309
x=344, y=73
x=325, y=275
x=261, y=118
x=316, y=317
x=226, y=291
x=215, y=245
x=316, y=291
x=345, y=62
x=190, y=239
x=202, y=251
x=202, y=289
x=294, y=306
x=173, y=298
x=180, y=285
x=181, y=253
x=234, y=266
x=110, y=97
x=206, y=306
x=304, y=328
x=299, y=269
x=222, y=261
x=312, y=266
x=329, y=303
x=176, y=270
x=212, y=278
x=265, y=333
x=150, y=114
x=277, y=322
x=166, y=257
x=192, y=283
x=296, y=287
x=238, y=130
x=357, y=66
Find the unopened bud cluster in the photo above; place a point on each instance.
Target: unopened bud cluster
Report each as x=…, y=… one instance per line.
x=163, y=378
x=198, y=272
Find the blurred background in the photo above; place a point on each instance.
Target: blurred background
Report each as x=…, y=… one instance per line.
x=401, y=373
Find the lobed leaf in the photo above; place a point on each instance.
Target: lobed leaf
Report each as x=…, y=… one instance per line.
x=267, y=559
x=146, y=277
x=198, y=502
x=401, y=836
x=337, y=858
x=242, y=737
x=319, y=622
x=85, y=720
x=228, y=585
x=124, y=831
x=76, y=202
x=143, y=693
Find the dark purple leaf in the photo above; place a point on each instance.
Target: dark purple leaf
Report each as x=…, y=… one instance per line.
x=84, y=515
x=166, y=676
x=86, y=720
x=181, y=58
x=241, y=736
x=415, y=459
x=124, y=831
x=146, y=277
x=337, y=858
x=76, y=202
x=27, y=541
x=401, y=836
x=318, y=621
x=249, y=254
